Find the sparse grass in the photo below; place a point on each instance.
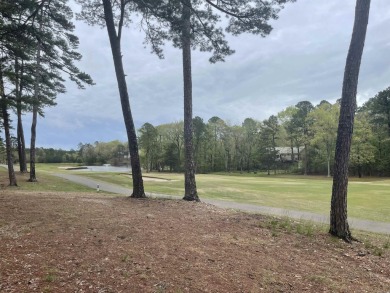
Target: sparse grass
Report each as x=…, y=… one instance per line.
x=125, y=258
x=287, y=225
x=374, y=249
x=376, y=244
x=306, y=228
x=125, y=274
x=386, y=245
x=377, y=251
x=50, y=276
x=318, y=279
x=160, y=287
x=368, y=244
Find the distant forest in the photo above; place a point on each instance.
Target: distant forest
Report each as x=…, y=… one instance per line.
x=300, y=139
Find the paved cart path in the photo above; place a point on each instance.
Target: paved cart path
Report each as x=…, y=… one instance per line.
x=380, y=227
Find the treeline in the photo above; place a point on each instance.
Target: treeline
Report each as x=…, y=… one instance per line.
x=99, y=153
x=299, y=139
x=50, y=155
x=42, y=155
x=114, y=152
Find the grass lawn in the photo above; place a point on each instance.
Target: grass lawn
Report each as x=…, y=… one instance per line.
x=368, y=198
x=46, y=182
x=54, y=167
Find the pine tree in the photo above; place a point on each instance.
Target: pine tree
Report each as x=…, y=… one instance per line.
x=339, y=226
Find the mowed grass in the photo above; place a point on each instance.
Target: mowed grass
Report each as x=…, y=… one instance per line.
x=46, y=182
x=56, y=168
x=367, y=198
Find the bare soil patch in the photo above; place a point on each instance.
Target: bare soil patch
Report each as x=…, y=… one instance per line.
x=57, y=242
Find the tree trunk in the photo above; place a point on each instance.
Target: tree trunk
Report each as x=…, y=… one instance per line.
x=138, y=185
x=20, y=132
x=33, y=177
x=328, y=154
x=388, y=118
x=214, y=149
x=190, y=192
x=178, y=146
x=21, y=142
x=8, y=144
x=338, y=213
x=274, y=151
x=248, y=162
x=305, y=162
x=6, y=125
x=227, y=159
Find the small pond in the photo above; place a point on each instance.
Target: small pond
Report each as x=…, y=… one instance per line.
x=106, y=168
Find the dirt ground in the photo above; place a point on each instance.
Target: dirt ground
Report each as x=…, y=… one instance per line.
x=57, y=242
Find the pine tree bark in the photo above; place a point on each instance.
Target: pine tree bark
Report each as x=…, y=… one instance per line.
x=190, y=191
x=6, y=125
x=20, y=132
x=115, y=41
x=21, y=142
x=338, y=214
x=33, y=177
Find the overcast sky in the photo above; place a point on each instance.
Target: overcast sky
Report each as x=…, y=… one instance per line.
x=302, y=59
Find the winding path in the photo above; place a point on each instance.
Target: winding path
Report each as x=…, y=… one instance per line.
x=379, y=227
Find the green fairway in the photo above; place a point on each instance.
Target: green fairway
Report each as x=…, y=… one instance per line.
x=46, y=182
x=55, y=167
x=367, y=198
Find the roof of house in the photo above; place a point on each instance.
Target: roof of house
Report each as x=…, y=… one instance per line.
x=287, y=150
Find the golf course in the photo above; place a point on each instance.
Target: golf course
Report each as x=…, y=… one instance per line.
x=368, y=198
